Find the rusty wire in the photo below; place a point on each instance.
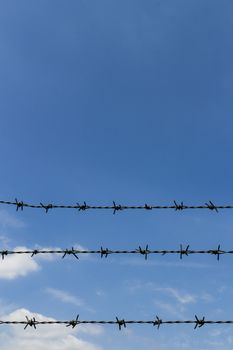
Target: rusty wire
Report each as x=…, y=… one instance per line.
x=105, y=252
x=20, y=205
x=32, y=322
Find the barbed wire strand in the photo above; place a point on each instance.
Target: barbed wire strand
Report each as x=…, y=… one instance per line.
x=20, y=205
x=106, y=252
x=32, y=322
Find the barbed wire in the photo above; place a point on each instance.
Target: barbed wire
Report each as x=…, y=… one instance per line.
x=32, y=322
x=20, y=205
x=106, y=252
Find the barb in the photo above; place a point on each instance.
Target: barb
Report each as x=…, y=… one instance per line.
x=71, y=251
x=144, y=251
x=197, y=322
x=4, y=253
x=73, y=323
x=31, y=322
x=83, y=206
x=179, y=206
x=106, y=252
x=46, y=207
x=19, y=205
x=157, y=322
x=115, y=207
x=34, y=252
x=148, y=207
x=121, y=323
x=217, y=252
x=184, y=251
x=211, y=206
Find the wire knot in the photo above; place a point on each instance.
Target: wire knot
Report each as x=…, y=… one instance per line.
x=35, y=251
x=116, y=207
x=70, y=252
x=179, y=206
x=211, y=206
x=217, y=252
x=184, y=251
x=4, y=253
x=83, y=206
x=144, y=251
x=31, y=322
x=120, y=323
x=157, y=322
x=199, y=323
x=46, y=207
x=73, y=323
x=104, y=252
x=19, y=205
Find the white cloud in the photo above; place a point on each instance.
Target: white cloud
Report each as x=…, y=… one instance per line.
x=52, y=337
x=17, y=265
x=20, y=265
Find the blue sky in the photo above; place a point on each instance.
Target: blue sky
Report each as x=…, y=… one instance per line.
x=116, y=100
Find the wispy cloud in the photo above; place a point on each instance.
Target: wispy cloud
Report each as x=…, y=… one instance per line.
x=4, y=241
x=9, y=221
x=182, y=298
x=174, y=301
x=169, y=308
x=101, y=293
x=65, y=297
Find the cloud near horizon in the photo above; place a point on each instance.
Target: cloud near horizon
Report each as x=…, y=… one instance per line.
x=20, y=265
x=52, y=337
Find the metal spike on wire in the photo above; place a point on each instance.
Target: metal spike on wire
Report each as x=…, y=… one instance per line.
x=121, y=323
x=20, y=205
x=106, y=252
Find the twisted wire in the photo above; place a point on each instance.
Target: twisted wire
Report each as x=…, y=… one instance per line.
x=20, y=205
x=106, y=252
x=32, y=322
